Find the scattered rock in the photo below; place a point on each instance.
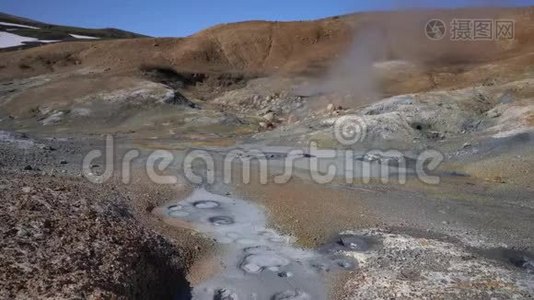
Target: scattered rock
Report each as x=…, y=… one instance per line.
x=266, y=125
x=409, y=274
x=150, y=207
x=285, y=274
x=54, y=118
x=494, y=114
x=353, y=242
x=291, y=119
x=269, y=116
x=225, y=294
x=48, y=148
x=345, y=264
x=22, y=232
x=372, y=157
x=435, y=135
x=264, y=111
x=498, y=179
x=330, y=107
x=176, y=98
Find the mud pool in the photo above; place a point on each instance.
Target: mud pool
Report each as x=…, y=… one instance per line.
x=257, y=262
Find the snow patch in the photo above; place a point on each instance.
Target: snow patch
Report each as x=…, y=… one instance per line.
x=8, y=40
x=18, y=25
x=83, y=37
x=49, y=41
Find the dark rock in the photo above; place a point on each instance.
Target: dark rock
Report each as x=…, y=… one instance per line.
x=48, y=148
x=180, y=99
x=354, y=243
x=285, y=274
x=225, y=294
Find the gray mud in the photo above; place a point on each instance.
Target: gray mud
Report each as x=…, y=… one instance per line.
x=258, y=262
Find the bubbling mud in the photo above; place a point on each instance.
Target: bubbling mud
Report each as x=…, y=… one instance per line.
x=221, y=220
x=258, y=262
x=206, y=204
x=292, y=295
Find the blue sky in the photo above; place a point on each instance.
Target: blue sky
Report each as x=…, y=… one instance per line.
x=182, y=18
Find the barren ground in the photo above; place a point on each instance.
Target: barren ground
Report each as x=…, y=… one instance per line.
x=274, y=87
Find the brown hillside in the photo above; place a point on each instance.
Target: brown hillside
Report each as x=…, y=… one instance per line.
x=278, y=47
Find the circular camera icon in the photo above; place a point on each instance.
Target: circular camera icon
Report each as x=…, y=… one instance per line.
x=435, y=29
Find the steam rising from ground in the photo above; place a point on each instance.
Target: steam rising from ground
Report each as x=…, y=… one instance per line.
x=360, y=76
x=353, y=74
